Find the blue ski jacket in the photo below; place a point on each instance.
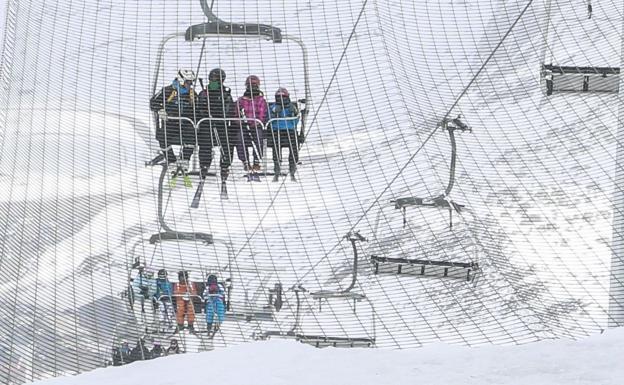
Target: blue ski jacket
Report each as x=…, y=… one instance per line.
x=163, y=288
x=278, y=111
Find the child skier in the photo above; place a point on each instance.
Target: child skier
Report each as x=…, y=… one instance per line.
x=284, y=132
x=214, y=296
x=163, y=298
x=184, y=292
x=251, y=108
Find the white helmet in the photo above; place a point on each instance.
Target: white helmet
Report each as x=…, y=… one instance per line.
x=186, y=76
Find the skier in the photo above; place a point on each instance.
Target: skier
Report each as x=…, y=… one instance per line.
x=140, y=351
x=184, y=292
x=214, y=295
x=176, y=100
x=217, y=102
x=121, y=354
x=157, y=350
x=250, y=108
x=173, y=347
x=144, y=285
x=163, y=297
x=284, y=132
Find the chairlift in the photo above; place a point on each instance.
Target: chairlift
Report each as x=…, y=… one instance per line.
x=345, y=294
x=442, y=201
x=217, y=28
x=316, y=340
x=572, y=79
x=139, y=262
x=353, y=237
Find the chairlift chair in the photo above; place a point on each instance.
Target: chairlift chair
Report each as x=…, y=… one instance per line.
x=442, y=201
x=217, y=28
x=572, y=79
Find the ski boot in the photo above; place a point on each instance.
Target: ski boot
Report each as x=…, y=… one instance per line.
x=293, y=170
x=209, y=330
x=203, y=172
x=181, y=169
x=277, y=172
x=224, y=193
x=191, y=328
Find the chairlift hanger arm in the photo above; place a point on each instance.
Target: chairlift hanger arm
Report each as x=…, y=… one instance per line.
x=216, y=26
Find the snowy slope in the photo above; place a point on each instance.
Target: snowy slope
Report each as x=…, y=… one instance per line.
x=536, y=175
x=595, y=360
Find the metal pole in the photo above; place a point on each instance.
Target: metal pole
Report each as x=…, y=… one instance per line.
x=616, y=291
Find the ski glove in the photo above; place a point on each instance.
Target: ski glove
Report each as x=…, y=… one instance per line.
x=162, y=114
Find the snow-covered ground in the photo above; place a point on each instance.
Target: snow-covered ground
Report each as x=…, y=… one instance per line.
x=591, y=361
x=536, y=175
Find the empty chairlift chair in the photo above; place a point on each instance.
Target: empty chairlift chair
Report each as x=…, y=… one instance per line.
x=443, y=201
x=572, y=79
x=320, y=340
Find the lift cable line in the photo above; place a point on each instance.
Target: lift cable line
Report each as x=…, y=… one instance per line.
x=409, y=161
x=213, y=18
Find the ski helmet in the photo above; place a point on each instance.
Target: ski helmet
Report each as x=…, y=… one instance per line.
x=217, y=74
x=282, y=97
x=211, y=279
x=162, y=273
x=283, y=92
x=186, y=76
x=252, y=81
x=183, y=275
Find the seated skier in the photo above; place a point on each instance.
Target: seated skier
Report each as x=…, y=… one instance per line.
x=184, y=292
x=284, y=132
x=214, y=296
x=157, y=350
x=144, y=286
x=216, y=102
x=178, y=100
x=163, y=298
x=121, y=354
x=173, y=347
x=251, y=108
x=140, y=351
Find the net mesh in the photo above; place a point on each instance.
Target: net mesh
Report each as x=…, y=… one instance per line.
x=507, y=233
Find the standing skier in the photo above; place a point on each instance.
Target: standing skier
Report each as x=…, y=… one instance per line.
x=163, y=298
x=177, y=100
x=251, y=108
x=184, y=292
x=284, y=132
x=214, y=295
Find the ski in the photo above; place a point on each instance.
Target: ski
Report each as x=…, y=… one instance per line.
x=174, y=178
x=198, y=193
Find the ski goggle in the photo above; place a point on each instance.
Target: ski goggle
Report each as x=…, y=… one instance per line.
x=281, y=99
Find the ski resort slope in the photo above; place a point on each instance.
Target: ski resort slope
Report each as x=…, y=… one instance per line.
x=536, y=176
x=594, y=360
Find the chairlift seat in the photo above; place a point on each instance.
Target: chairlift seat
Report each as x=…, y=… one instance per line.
x=219, y=28
x=580, y=79
x=326, y=294
x=178, y=236
x=337, y=342
x=470, y=267
x=402, y=203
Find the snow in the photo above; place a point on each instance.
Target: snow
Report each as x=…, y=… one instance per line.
x=591, y=361
x=536, y=176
